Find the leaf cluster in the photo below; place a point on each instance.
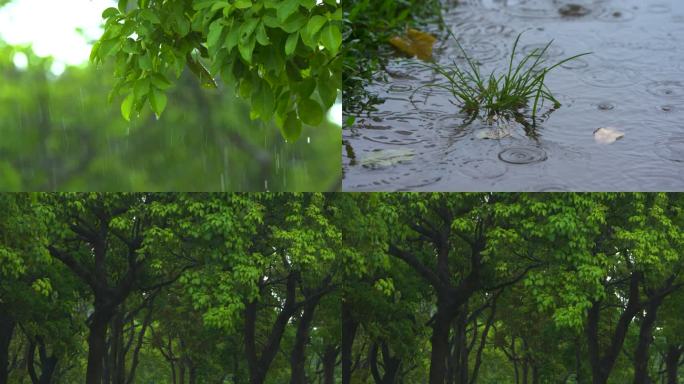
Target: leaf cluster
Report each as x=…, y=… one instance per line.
x=282, y=56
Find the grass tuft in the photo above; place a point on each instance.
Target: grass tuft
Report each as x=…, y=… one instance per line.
x=502, y=95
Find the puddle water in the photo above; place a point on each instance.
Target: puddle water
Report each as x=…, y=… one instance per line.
x=634, y=82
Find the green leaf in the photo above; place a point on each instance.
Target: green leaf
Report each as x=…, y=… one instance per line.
x=247, y=28
x=127, y=106
x=109, y=47
x=242, y=4
x=160, y=81
x=109, y=12
x=291, y=43
x=327, y=88
x=95, y=51
x=144, y=62
x=263, y=101
x=158, y=101
x=261, y=35
x=286, y=8
x=310, y=112
x=141, y=88
x=292, y=127
x=150, y=16
x=182, y=25
x=331, y=37
x=294, y=23
x=215, y=30
x=315, y=24
x=247, y=48
x=123, y=4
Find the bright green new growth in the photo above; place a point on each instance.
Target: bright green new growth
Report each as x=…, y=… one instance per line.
x=281, y=56
x=502, y=95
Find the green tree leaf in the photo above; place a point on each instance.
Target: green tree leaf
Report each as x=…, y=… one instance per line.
x=158, y=101
x=292, y=127
x=331, y=37
x=127, y=106
x=291, y=43
x=263, y=101
x=310, y=112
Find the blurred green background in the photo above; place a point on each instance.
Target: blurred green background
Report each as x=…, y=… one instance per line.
x=58, y=131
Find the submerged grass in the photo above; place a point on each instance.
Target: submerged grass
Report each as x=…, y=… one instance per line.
x=500, y=95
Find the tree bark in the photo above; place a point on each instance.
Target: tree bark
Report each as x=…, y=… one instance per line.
x=48, y=363
x=7, y=325
x=602, y=363
x=298, y=355
x=440, y=340
x=349, y=327
x=96, y=349
x=259, y=364
x=672, y=357
x=645, y=339
x=390, y=364
x=329, y=362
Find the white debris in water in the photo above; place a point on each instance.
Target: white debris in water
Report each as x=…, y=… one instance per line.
x=387, y=158
x=607, y=135
x=496, y=133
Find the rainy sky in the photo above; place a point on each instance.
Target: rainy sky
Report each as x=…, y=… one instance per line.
x=51, y=27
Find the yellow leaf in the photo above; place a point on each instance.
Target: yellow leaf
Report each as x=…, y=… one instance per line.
x=415, y=43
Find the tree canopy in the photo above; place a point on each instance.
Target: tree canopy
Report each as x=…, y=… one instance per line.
x=268, y=288
x=516, y=288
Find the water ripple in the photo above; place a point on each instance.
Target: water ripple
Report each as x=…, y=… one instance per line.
x=671, y=148
x=522, y=155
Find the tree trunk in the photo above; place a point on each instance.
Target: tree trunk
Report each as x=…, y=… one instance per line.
x=672, y=357
x=298, y=355
x=645, y=339
x=440, y=342
x=96, y=349
x=47, y=363
x=349, y=326
x=390, y=363
x=117, y=354
x=329, y=362
x=462, y=344
x=7, y=325
x=602, y=364
x=259, y=364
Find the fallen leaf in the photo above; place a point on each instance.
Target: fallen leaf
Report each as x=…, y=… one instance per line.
x=607, y=135
x=387, y=158
x=415, y=43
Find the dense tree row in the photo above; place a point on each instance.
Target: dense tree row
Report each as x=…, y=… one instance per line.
x=341, y=288
x=516, y=288
x=181, y=288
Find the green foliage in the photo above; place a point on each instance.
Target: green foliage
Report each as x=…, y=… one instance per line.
x=546, y=260
x=282, y=56
x=60, y=134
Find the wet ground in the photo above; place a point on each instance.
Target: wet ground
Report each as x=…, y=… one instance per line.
x=633, y=82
